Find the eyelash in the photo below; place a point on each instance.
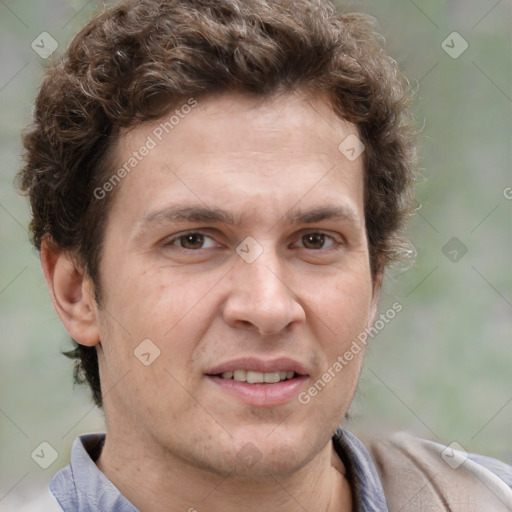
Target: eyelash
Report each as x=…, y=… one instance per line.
x=172, y=241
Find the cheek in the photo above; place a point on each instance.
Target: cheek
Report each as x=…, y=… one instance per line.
x=155, y=303
x=344, y=305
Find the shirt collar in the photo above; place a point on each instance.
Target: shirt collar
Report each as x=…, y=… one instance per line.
x=361, y=473
x=82, y=487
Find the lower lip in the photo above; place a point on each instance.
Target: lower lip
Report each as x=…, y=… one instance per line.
x=263, y=395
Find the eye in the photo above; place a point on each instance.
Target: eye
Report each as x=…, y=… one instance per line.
x=316, y=241
x=192, y=241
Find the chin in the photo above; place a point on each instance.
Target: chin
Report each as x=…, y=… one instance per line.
x=278, y=453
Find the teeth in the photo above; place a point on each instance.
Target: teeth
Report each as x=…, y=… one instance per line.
x=255, y=377
x=272, y=378
x=258, y=377
x=240, y=375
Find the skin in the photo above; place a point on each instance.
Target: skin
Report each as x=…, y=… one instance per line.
x=173, y=436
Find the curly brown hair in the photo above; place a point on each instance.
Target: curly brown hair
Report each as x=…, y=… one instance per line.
x=140, y=58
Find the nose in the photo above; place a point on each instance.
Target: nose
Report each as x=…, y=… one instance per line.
x=260, y=298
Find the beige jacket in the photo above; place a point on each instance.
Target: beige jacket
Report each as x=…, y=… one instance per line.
x=423, y=476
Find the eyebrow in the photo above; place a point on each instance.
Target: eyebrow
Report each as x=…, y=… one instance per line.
x=201, y=213
x=192, y=213
x=344, y=213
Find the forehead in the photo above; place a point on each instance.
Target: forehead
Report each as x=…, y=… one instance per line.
x=244, y=152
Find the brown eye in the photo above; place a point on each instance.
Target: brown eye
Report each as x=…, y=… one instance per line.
x=191, y=241
x=188, y=242
x=313, y=240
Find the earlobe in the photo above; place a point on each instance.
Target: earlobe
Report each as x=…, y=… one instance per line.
x=72, y=294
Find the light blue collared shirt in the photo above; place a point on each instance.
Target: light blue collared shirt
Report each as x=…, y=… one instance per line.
x=82, y=487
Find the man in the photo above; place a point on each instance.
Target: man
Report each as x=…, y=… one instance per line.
x=217, y=188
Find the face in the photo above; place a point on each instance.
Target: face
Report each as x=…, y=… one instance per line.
x=235, y=271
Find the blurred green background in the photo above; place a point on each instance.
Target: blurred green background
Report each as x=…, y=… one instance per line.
x=441, y=368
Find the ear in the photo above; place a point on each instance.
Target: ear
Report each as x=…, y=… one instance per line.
x=72, y=294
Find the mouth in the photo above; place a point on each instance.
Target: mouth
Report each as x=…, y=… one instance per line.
x=258, y=382
x=253, y=377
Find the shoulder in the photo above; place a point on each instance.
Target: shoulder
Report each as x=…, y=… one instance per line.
x=418, y=474
x=81, y=486
x=39, y=501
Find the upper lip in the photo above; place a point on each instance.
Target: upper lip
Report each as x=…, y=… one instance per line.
x=258, y=364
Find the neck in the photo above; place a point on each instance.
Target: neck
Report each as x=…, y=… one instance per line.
x=164, y=483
